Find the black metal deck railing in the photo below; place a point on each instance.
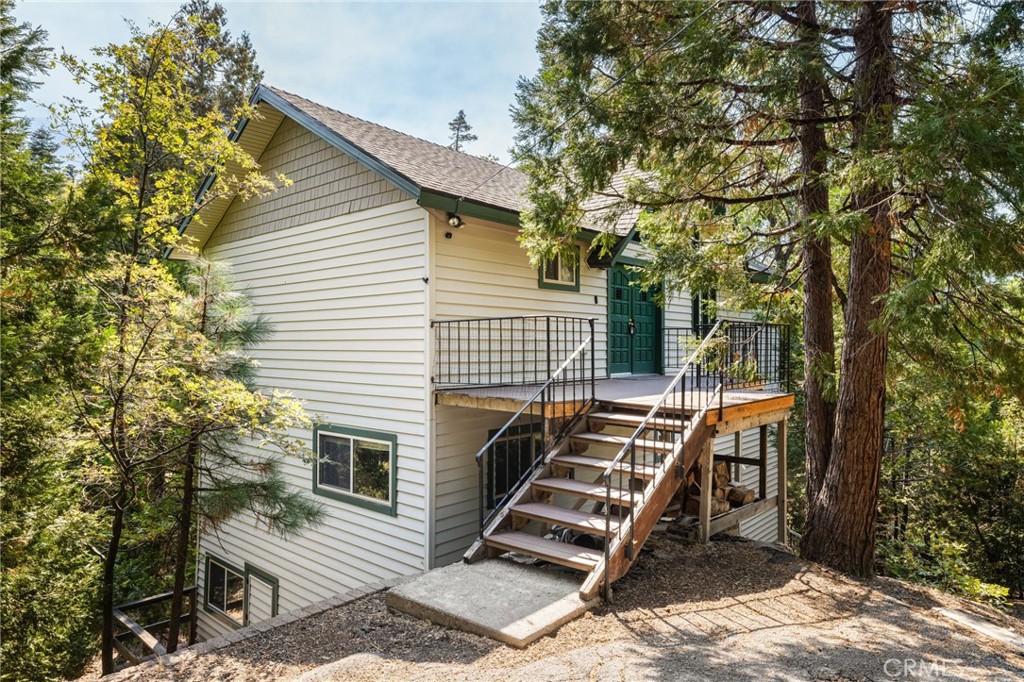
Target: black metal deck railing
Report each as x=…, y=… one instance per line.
x=504, y=351
x=757, y=353
x=518, y=448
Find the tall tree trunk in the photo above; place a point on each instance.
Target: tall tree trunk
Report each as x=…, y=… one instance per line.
x=819, y=331
x=181, y=555
x=188, y=493
x=107, y=598
x=841, y=528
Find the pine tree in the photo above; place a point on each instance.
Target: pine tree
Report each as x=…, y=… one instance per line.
x=460, y=131
x=153, y=361
x=226, y=82
x=767, y=131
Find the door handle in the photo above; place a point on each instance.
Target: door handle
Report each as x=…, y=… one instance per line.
x=632, y=327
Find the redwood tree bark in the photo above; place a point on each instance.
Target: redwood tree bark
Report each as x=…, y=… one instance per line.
x=818, y=326
x=841, y=527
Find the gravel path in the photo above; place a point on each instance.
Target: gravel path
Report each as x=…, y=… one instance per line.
x=732, y=611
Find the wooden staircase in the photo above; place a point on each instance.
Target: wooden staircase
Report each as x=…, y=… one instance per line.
x=582, y=487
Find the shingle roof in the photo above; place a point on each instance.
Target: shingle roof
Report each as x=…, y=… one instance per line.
x=430, y=166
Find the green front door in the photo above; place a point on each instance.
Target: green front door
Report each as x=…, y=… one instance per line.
x=632, y=325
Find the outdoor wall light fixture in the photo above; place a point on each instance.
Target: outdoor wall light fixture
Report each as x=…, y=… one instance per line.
x=454, y=220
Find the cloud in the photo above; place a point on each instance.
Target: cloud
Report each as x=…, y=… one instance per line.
x=409, y=66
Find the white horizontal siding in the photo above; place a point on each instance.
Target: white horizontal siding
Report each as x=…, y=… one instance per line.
x=764, y=526
x=482, y=271
x=347, y=301
x=459, y=433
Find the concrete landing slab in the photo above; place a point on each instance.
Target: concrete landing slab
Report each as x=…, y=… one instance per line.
x=500, y=599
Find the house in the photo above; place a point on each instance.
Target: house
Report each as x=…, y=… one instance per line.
x=411, y=322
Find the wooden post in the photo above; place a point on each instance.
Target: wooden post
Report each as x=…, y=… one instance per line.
x=193, y=616
x=781, y=485
x=738, y=452
x=706, y=492
x=762, y=479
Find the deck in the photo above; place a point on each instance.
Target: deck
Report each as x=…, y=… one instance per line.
x=633, y=391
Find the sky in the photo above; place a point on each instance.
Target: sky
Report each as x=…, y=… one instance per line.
x=410, y=66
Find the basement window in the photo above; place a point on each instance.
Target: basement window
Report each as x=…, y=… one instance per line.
x=509, y=458
x=355, y=466
x=225, y=590
x=560, y=273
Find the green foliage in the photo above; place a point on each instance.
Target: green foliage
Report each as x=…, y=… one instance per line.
x=113, y=367
x=933, y=559
x=226, y=82
x=694, y=111
x=953, y=489
x=149, y=147
x=49, y=594
x=49, y=571
x=223, y=412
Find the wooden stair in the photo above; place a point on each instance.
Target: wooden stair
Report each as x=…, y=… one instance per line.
x=562, y=553
x=569, y=492
x=589, y=491
x=600, y=464
x=560, y=516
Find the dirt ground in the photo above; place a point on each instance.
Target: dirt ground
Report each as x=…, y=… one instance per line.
x=733, y=611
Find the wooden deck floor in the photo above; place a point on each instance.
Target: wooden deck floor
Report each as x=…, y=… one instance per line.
x=636, y=391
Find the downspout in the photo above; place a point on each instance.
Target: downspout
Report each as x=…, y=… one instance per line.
x=430, y=449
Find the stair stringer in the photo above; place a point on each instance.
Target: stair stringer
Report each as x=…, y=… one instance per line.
x=656, y=497
x=503, y=519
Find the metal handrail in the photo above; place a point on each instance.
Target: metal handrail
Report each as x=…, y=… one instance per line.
x=658, y=405
x=541, y=396
x=630, y=445
x=436, y=321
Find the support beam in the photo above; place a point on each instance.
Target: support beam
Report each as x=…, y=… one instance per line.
x=751, y=461
x=737, y=449
x=749, y=422
x=781, y=484
x=706, y=472
x=731, y=519
x=762, y=456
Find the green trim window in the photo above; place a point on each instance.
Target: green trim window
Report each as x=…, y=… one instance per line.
x=560, y=273
x=225, y=590
x=356, y=466
x=261, y=602
x=703, y=315
x=509, y=458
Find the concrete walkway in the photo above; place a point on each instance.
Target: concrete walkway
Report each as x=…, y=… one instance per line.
x=500, y=599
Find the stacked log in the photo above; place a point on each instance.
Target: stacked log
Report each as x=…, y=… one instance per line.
x=725, y=494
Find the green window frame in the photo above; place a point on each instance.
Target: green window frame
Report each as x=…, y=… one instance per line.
x=349, y=467
x=261, y=575
x=557, y=274
x=509, y=457
x=220, y=602
x=703, y=315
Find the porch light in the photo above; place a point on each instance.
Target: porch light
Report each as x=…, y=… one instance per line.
x=455, y=220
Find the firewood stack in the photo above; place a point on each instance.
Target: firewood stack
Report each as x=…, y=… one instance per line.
x=725, y=494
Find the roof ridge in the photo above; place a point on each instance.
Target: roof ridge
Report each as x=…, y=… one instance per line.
x=497, y=164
